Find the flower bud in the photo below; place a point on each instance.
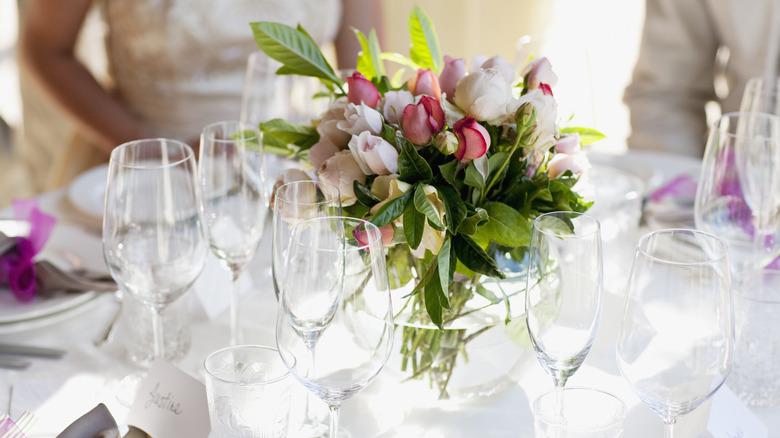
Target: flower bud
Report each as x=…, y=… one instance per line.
x=446, y=142
x=425, y=82
x=361, y=90
x=473, y=139
x=374, y=155
x=539, y=71
x=394, y=104
x=454, y=69
x=423, y=120
x=342, y=171
x=499, y=63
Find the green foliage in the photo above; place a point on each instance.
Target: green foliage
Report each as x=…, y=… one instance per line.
x=425, y=50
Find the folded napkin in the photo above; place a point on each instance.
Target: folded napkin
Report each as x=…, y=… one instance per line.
x=97, y=423
x=28, y=278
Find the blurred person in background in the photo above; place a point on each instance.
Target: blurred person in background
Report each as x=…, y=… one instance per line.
x=692, y=53
x=173, y=65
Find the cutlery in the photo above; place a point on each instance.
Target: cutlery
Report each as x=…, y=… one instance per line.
x=30, y=350
x=13, y=363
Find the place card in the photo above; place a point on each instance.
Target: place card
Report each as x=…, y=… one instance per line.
x=170, y=403
x=730, y=418
x=212, y=288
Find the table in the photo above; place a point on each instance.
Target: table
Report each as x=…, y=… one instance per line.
x=59, y=391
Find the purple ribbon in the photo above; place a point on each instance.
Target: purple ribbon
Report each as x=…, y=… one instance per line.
x=17, y=268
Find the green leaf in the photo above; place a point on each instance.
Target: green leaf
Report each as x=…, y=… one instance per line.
x=364, y=62
x=435, y=300
x=364, y=195
x=507, y=227
x=473, y=220
x=454, y=208
x=444, y=272
x=587, y=135
x=295, y=49
x=426, y=207
x=280, y=133
x=425, y=50
x=474, y=257
x=414, y=225
x=448, y=172
x=411, y=166
x=392, y=209
x=474, y=177
x=388, y=134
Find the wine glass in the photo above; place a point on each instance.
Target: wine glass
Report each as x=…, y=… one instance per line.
x=563, y=291
x=676, y=338
x=295, y=202
x=738, y=195
x=154, y=236
x=334, y=326
x=232, y=176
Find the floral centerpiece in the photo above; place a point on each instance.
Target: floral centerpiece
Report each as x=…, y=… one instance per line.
x=452, y=166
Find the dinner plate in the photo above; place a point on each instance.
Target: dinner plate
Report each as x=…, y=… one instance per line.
x=68, y=246
x=87, y=191
x=654, y=168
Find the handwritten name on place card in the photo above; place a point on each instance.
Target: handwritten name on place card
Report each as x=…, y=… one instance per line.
x=170, y=403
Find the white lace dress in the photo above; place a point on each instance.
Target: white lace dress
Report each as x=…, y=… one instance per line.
x=180, y=64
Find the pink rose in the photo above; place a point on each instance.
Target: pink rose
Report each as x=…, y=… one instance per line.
x=454, y=69
x=342, y=171
x=374, y=155
x=473, y=139
x=499, y=63
x=394, y=104
x=568, y=144
x=560, y=163
x=362, y=236
x=361, y=90
x=425, y=82
x=476, y=63
x=359, y=118
x=539, y=71
x=423, y=120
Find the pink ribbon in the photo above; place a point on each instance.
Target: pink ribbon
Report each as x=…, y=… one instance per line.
x=17, y=268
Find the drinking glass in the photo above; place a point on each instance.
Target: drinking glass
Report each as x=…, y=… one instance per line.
x=578, y=413
x=154, y=236
x=563, y=290
x=675, y=343
x=738, y=196
x=293, y=203
x=761, y=94
x=334, y=327
x=232, y=176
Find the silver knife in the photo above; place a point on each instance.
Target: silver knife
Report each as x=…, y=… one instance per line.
x=13, y=363
x=30, y=350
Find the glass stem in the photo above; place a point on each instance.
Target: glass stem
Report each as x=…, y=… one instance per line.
x=668, y=429
x=157, y=330
x=235, y=331
x=334, y=421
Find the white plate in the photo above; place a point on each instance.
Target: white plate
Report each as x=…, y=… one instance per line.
x=87, y=191
x=654, y=168
x=66, y=244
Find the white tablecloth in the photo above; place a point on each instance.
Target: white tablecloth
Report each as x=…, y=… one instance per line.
x=61, y=390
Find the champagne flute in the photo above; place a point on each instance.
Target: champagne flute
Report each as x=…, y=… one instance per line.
x=295, y=202
x=675, y=343
x=563, y=291
x=761, y=94
x=154, y=236
x=738, y=196
x=232, y=175
x=335, y=303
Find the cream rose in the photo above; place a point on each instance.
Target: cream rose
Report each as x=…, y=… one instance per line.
x=360, y=118
x=483, y=95
x=342, y=171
